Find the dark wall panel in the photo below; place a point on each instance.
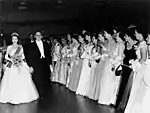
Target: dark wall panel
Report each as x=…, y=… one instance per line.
x=89, y=14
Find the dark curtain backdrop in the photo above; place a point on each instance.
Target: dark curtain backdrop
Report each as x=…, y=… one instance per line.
x=89, y=16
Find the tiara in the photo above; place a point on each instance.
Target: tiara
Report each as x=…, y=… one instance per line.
x=131, y=26
x=15, y=34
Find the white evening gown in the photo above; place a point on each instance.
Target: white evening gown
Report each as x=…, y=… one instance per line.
x=143, y=106
x=82, y=88
x=109, y=81
x=17, y=86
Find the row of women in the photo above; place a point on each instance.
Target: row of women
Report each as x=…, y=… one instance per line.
x=111, y=68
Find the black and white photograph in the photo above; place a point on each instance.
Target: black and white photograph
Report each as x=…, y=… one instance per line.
x=74, y=56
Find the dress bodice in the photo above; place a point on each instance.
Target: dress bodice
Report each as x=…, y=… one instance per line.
x=96, y=55
x=69, y=49
x=115, y=53
x=87, y=51
x=119, y=52
x=94, y=51
x=141, y=45
x=11, y=51
x=129, y=55
x=81, y=50
x=111, y=49
x=56, y=48
x=56, y=52
x=64, y=51
x=74, y=52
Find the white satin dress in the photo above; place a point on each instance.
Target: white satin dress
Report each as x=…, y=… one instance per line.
x=17, y=86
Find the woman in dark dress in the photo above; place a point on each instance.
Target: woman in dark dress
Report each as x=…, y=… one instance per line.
x=127, y=73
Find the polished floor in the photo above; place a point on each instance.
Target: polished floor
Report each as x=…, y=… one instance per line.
x=58, y=99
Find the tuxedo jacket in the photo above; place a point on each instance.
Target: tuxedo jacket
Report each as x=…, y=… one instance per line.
x=33, y=55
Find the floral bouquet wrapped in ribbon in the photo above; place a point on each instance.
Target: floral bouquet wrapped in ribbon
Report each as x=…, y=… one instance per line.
x=135, y=65
x=17, y=60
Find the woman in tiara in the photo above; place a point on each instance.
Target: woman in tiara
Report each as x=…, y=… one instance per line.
x=17, y=86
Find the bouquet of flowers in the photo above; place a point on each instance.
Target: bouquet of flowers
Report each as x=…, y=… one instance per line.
x=135, y=65
x=17, y=60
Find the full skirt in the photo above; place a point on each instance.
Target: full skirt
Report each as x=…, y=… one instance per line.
x=137, y=91
x=76, y=71
x=84, y=78
x=17, y=86
x=109, y=85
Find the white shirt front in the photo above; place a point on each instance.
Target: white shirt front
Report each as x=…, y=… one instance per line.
x=41, y=48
